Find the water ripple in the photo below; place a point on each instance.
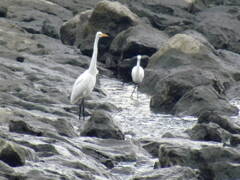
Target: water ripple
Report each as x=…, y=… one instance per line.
x=135, y=117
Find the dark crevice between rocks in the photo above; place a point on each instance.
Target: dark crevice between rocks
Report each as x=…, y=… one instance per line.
x=23, y=128
x=3, y=12
x=207, y=174
x=100, y=157
x=20, y=59
x=11, y=158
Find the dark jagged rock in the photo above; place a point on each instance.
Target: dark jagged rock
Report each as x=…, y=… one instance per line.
x=102, y=125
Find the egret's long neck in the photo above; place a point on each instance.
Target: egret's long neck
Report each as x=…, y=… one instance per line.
x=93, y=64
x=138, y=62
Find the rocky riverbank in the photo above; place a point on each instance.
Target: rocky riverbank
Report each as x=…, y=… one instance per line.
x=191, y=58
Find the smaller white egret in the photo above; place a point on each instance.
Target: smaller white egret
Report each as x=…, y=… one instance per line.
x=137, y=74
x=84, y=84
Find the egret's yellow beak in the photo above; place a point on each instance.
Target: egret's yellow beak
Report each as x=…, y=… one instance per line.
x=104, y=35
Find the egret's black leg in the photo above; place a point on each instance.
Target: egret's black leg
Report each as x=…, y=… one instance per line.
x=135, y=86
x=80, y=111
x=83, y=109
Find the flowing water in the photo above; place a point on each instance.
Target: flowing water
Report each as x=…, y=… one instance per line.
x=137, y=121
x=135, y=117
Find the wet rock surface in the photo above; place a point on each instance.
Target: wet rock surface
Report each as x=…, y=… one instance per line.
x=191, y=59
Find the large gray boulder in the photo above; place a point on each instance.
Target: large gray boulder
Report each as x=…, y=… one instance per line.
x=201, y=99
x=71, y=29
x=108, y=17
x=222, y=32
x=102, y=125
x=185, y=63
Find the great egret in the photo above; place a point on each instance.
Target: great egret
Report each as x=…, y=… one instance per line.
x=85, y=83
x=137, y=74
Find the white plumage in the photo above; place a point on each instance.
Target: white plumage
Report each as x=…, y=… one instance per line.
x=84, y=84
x=137, y=73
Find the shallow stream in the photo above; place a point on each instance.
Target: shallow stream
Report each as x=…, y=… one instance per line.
x=135, y=117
